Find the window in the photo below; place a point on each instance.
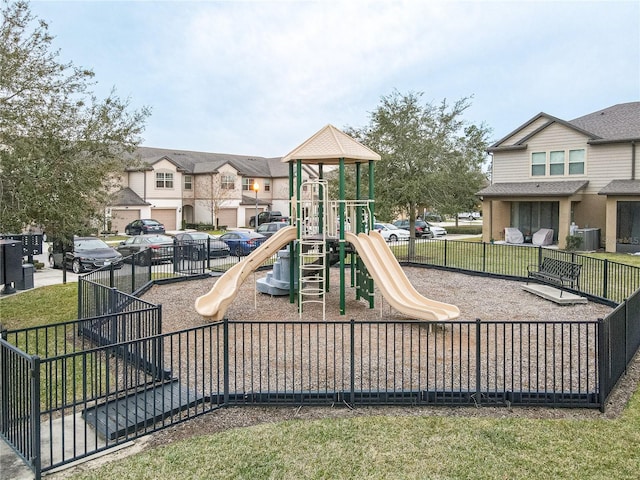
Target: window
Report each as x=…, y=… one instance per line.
x=164, y=180
x=538, y=164
x=576, y=162
x=267, y=185
x=556, y=163
x=228, y=182
x=188, y=182
x=247, y=184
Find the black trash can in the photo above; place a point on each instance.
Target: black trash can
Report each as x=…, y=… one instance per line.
x=26, y=282
x=10, y=265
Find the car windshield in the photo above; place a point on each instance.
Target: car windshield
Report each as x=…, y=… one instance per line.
x=159, y=239
x=89, y=244
x=391, y=227
x=199, y=236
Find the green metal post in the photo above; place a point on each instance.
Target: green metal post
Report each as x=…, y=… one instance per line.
x=371, y=219
x=371, y=196
x=342, y=239
x=300, y=226
x=292, y=255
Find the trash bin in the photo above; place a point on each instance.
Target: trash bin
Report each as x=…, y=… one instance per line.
x=26, y=282
x=10, y=262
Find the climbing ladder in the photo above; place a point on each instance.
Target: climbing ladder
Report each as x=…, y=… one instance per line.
x=313, y=245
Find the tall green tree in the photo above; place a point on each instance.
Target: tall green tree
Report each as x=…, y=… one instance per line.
x=61, y=148
x=430, y=155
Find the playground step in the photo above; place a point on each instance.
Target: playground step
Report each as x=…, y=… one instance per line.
x=124, y=415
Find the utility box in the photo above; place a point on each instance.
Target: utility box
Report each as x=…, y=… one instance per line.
x=26, y=282
x=590, y=238
x=10, y=264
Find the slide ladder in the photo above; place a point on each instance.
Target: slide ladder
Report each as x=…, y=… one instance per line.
x=313, y=245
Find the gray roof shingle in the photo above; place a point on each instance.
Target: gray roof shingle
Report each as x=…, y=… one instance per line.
x=619, y=122
x=127, y=197
x=534, y=189
x=204, y=162
x=621, y=187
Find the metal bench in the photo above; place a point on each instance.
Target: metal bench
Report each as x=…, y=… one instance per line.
x=556, y=272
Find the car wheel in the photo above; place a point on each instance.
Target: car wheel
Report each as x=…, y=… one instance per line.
x=393, y=238
x=76, y=266
x=52, y=262
x=238, y=251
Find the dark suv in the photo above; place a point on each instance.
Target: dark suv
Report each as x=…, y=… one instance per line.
x=270, y=228
x=422, y=229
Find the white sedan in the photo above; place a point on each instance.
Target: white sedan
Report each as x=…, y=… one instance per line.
x=391, y=233
x=436, y=230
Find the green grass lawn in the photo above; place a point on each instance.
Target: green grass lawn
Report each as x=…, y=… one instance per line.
x=381, y=447
x=375, y=447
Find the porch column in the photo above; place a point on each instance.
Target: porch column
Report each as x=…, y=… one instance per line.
x=564, y=221
x=611, y=225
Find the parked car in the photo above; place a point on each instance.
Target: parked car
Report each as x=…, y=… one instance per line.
x=436, y=230
x=242, y=242
x=422, y=229
x=469, y=216
x=194, y=245
x=268, y=229
x=432, y=217
x=144, y=225
x=85, y=254
x=390, y=232
x=160, y=246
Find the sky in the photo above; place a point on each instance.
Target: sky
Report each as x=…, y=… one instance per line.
x=261, y=77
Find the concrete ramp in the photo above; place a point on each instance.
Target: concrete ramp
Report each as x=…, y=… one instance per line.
x=553, y=294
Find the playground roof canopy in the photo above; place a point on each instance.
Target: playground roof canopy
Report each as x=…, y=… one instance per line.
x=328, y=146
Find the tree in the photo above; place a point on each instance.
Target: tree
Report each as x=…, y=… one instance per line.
x=214, y=195
x=430, y=156
x=60, y=147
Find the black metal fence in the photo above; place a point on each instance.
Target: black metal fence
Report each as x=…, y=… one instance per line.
x=60, y=381
x=300, y=363
x=600, y=279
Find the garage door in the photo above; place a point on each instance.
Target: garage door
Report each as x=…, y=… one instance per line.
x=166, y=216
x=227, y=216
x=120, y=219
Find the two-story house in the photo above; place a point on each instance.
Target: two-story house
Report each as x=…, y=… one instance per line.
x=173, y=186
x=550, y=173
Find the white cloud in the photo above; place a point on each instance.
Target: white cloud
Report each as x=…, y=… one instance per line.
x=260, y=77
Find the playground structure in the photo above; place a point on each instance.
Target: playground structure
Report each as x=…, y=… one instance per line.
x=320, y=225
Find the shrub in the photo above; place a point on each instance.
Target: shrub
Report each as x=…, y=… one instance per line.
x=573, y=243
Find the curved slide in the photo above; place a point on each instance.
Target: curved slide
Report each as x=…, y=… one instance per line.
x=214, y=304
x=393, y=283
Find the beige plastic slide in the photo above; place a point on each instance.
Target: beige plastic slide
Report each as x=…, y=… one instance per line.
x=213, y=305
x=393, y=283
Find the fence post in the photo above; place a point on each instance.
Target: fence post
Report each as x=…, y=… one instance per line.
x=112, y=277
x=605, y=279
x=603, y=364
x=539, y=256
x=478, y=360
x=159, y=347
x=446, y=242
x=111, y=308
x=484, y=256
x=225, y=359
x=36, y=460
x=4, y=388
x=352, y=358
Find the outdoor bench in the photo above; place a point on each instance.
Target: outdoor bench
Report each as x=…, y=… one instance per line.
x=556, y=272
